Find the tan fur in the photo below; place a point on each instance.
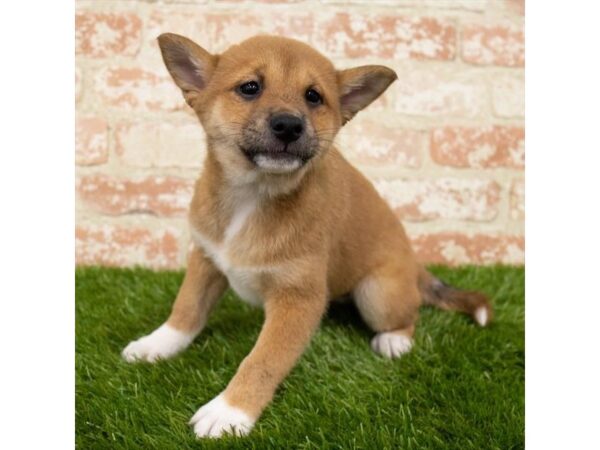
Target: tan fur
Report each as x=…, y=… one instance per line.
x=306, y=236
x=202, y=281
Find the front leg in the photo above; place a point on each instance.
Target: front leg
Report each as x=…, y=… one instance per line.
x=292, y=314
x=202, y=286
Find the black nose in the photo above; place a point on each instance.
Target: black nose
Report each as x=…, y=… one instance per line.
x=286, y=127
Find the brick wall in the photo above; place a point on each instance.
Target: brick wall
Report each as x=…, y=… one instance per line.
x=445, y=145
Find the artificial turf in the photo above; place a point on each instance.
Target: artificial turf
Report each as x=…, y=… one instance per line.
x=461, y=387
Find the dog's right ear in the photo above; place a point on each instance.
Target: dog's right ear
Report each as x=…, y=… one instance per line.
x=189, y=64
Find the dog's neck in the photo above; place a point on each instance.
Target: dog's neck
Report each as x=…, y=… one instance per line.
x=223, y=197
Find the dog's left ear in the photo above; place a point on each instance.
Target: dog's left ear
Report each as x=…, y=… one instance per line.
x=189, y=64
x=359, y=86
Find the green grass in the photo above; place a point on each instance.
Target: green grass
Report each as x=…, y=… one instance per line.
x=461, y=387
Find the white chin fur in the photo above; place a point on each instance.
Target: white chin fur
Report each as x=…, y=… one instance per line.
x=162, y=343
x=217, y=418
x=275, y=165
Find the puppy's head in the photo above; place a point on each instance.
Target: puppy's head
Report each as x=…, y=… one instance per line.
x=270, y=104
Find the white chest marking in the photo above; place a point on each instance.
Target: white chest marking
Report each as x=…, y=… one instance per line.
x=238, y=220
x=241, y=279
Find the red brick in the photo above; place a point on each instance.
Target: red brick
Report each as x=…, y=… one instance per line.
x=119, y=245
x=511, y=6
x=134, y=88
x=492, y=146
x=456, y=248
x=501, y=45
x=226, y=29
x=369, y=142
x=517, y=6
x=107, y=34
x=444, y=198
x=470, y=5
x=216, y=31
x=158, y=195
x=148, y=144
x=517, y=200
x=91, y=141
x=386, y=36
x=440, y=92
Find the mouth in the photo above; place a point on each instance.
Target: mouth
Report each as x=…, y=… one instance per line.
x=278, y=161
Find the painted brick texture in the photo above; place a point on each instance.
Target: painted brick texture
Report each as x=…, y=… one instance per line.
x=444, y=146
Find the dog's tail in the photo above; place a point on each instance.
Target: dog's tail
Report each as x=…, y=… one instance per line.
x=437, y=293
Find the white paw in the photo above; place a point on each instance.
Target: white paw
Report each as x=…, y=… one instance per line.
x=391, y=345
x=217, y=418
x=162, y=343
x=481, y=316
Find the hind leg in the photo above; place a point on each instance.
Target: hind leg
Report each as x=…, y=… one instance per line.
x=388, y=300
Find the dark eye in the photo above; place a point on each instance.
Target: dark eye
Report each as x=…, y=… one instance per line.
x=249, y=89
x=313, y=97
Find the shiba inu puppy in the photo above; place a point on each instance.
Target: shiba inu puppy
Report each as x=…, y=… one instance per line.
x=283, y=219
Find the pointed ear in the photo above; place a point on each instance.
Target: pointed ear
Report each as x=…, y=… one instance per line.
x=189, y=64
x=360, y=86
